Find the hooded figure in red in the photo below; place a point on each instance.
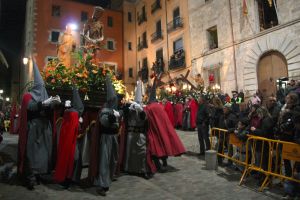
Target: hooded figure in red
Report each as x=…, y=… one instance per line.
x=178, y=113
x=35, y=132
x=67, y=140
x=194, y=107
x=169, y=110
x=162, y=138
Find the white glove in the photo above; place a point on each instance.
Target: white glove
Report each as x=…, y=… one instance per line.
x=138, y=108
x=56, y=100
x=47, y=101
x=80, y=120
x=116, y=113
x=132, y=106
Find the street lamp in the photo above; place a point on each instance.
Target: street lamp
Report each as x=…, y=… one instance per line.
x=25, y=61
x=7, y=99
x=1, y=92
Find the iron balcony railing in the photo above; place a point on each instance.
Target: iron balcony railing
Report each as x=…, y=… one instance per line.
x=156, y=36
x=177, y=60
x=175, y=24
x=155, y=6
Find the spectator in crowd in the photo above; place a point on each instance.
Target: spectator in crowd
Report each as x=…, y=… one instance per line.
x=273, y=108
x=202, y=125
x=255, y=99
x=227, y=121
x=241, y=95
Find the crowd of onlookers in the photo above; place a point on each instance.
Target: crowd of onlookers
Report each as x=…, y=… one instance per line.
x=270, y=117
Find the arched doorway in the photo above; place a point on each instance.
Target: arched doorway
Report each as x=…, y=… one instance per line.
x=271, y=66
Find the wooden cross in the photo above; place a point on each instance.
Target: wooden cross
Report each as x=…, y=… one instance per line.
x=184, y=78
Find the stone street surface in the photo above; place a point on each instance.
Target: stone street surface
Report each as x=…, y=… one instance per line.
x=190, y=181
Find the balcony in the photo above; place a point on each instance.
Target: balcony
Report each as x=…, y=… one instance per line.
x=142, y=18
x=175, y=24
x=158, y=66
x=156, y=36
x=155, y=6
x=142, y=45
x=177, y=60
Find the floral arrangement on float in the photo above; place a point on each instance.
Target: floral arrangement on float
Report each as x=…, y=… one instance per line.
x=88, y=77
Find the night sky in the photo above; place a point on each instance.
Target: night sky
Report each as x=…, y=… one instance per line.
x=12, y=20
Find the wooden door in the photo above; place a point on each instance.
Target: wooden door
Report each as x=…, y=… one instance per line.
x=270, y=67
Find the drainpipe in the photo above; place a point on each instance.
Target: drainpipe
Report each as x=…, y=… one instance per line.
x=233, y=46
x=167, y=34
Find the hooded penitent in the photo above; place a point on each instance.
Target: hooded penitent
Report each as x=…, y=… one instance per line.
x=76, y=102
x=38, y=91
x=111, y=96
x=138, y=92
x=67, y=140
x=152, y=96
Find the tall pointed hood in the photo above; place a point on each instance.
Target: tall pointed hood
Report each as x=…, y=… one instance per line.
x=76, y=102
x=152, y=96
x=138, y=92
x=38, y=91
x=111, y=96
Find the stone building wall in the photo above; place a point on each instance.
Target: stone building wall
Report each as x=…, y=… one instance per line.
x=248, y=41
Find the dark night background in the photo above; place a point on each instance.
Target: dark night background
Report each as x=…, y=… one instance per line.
x=12, y=20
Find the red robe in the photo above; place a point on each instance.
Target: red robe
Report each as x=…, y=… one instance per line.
x=23, y=132
x=170, y=112
x=66, y=147
x=178, y=114
x=194, y=107
x=162, y=138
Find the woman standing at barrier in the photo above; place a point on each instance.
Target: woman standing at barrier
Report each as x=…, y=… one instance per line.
x=264, y=130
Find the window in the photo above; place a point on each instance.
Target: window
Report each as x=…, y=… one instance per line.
x=159, y=54
x=158, y=27
x=267, y=14
x=130, y=72
x=145, y=39
x=212, y=35
x=55, y=11
x=144, y=11
x=84, y=16
x=54, y=36
x=110, y=22
x=50, y=58
x=129, y=17
x=177, y=45
x=129, y=46
x=110, y=45
x=145, y=62
x=139, y=65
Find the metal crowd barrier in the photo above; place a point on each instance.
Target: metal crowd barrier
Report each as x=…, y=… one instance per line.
x=267, y=157
x=224, y=143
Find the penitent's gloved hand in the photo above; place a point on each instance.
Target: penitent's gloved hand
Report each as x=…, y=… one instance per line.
x=116, y=113
x=47, y=101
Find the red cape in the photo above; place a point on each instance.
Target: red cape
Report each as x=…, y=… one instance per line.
x=23, y=132
x=194, y=107
x=178, y=114
x=162, y=138
x=170, y=112
x=66, y=147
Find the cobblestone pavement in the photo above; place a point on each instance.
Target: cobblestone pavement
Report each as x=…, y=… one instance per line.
x=190, y=180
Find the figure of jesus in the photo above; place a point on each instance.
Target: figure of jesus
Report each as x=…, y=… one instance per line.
x=93, y=29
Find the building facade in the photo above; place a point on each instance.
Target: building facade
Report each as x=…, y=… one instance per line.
x=245, y=44
x=47, y=20
x=156, y=32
